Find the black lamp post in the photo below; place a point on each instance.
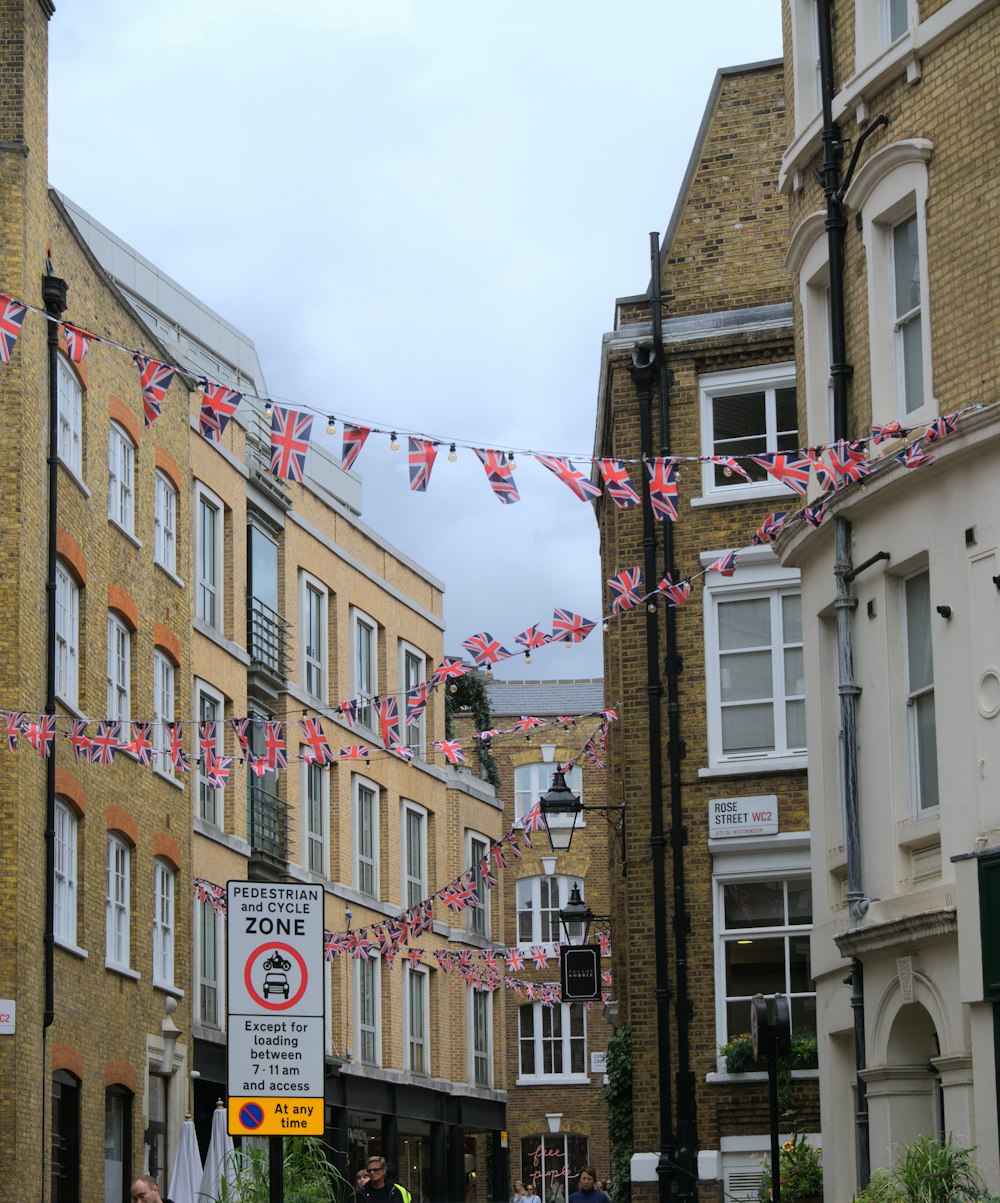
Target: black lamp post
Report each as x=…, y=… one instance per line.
x=559, y=803
x=576, y=918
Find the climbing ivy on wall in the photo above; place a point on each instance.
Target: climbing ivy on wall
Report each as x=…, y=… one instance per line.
x=618, y=1096
x=470, y=694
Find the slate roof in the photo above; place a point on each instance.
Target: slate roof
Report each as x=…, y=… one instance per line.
x=545, y=697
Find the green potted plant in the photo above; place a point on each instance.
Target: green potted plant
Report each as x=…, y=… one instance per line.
x=309, y=1175
x=928, y=1171
x=801, y=1172
x=738, y=1054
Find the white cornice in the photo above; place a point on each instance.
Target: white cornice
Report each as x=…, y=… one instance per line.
x=927, y=925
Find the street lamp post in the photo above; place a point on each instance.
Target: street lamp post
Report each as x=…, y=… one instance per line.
x=559, y=804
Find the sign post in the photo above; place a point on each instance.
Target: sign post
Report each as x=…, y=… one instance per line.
x=580, y=969
x=275, y=999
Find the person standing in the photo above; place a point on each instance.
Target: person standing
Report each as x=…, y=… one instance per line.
x=379, y=1188
x=523, y=1194
x=588, y=1192
x=146, y=1190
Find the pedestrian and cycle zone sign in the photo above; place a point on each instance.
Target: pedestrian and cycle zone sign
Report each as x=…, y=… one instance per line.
x=275, y=996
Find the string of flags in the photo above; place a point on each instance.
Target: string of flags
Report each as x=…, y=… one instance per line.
x=834, y=465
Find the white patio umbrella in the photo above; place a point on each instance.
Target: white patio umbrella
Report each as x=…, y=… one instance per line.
x=219, y=1161
x=185, y=1177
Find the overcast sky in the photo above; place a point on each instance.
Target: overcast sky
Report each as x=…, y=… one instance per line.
x=422, y=214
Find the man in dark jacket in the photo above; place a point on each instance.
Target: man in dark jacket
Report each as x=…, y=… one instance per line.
x=379, y=1188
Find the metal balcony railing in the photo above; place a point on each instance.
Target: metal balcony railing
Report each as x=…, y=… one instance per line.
x=268, y=824
x=267, y=636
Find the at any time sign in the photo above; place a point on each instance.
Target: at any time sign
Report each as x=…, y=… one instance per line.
x=274, y=960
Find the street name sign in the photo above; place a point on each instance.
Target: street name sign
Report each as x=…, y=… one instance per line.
x=275, y=997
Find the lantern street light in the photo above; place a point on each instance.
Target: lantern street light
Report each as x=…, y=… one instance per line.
x=559, y=808
x=576, y=917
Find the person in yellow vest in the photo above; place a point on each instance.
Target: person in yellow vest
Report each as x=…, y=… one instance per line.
x=379, y=1188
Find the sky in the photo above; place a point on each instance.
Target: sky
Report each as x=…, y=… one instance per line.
x=422, y=213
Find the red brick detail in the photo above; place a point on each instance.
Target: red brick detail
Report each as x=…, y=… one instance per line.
x=121, y=601
x=81, y=369
x=68, y=1057
x=121, y=821
x=119, y=1073
x=163, y=637
x=168, y=466
x=68, y=550
x=68, y=787
x=167, y=847
x=119, y=412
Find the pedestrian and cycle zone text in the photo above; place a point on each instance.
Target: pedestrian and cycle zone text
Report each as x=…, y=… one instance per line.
x=276, y=1030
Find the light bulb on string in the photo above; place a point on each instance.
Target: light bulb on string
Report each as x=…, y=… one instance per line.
x=452, y=454
x=510, y=460
x=606, y=627
x=527, y=657
x=727, y=471
x=393, y=442
x=651, y=607
x=267, y=408
x=331, y=424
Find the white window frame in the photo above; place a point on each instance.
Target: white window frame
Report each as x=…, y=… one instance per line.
x=164, y=677
x=766, y=379
x=69, y=442
x=478, y=918
x=119, y=669
x=414, y=1039
x=165, y=501
x=919, y=807
x=118, y=903
x=890, y=187
x=759, y=574
x=809, y=259
x=164, y=923
x=67, y=636
x=121, y=478
x=206, y=917
x=784, y=857
x=368, y=1033
x=314, y=839
x=364, y=678
x=313, y=668
x=873, y=33
x=412, y=670
x=67, y=839
x=207, y=795
x=209, y=513
x=366, y=864
x=528, y=894
x=534, y=779
x=413, y=889
x=805, y=63
x=477, y=1054
x=539, y=1016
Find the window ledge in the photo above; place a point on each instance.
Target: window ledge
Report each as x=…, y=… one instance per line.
x=919, y=833
x=124, y=531
x=212, y=832
x=751, y=768
x=169, y=778
x=74, y=949
x=170, y=573
x=72, y=707
x=755, y=1075
x=75, y=479
x=738, y=493
x=557, y=1080
x=123, y=970
x=167, y=988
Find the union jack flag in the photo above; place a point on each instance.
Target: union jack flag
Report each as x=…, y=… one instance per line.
x=464, y=959
x=274, y=745
x=15, y=726
x=319, y=751
x=499, y=858
x=452, y=750
x=416, y=700
x=485, y=735
x=531, y=991
x=12, y=314
x=616, y=480
x=416, y=956
x=769, y=527
x=663, y=487
x=334, y=943
x=826, y=478
x=178, y=757
x=290, y=433
x=604, y=939
x=141, y=743
x=218, y=404
x=606, y=976
x=789, y=470
x=540, y=956
x=499, y=474
x=423, y=453
x=452, y=897
x=423, y=917
x=730, y=467
x=725, y=565
x=625, y=589
x=468, y=892
x=241, y=729
x=592, y=754
x=533, y=637
x=346, y=711
x=514, y=959
x=527, y=723
x=484, y=649
x=676, y=592
x=217, y=771
x=354, y=752
x=154, y=380
x=486, y=874
x=888, y=430
x=532, y=819
x=361, y=948
x=489, y=959
x=575, y=480
x=568, y=627
x=443, y=958
x=609, y=716
x=77, y=341
x=41, y=734
x=847, y=460
x=448, y=669
x=106, y=742
x=813, y=515
x=387, y=710
x=403, y=751
x=354, y=440
x=940, y=428
x=915, y=456
x=79, y=739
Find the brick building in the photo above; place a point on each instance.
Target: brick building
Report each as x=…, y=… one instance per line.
x=556, y=1115
x=911, y=558
x=712, y=723
x=77, y=1093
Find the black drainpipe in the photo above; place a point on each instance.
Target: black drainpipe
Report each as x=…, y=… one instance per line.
x=643, y=371
x=687, y=1116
